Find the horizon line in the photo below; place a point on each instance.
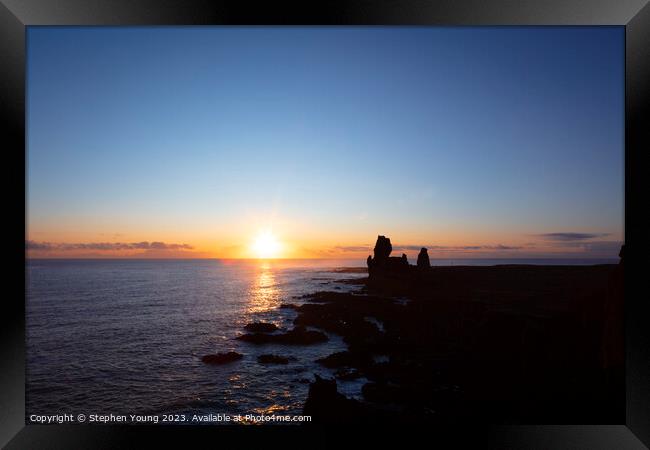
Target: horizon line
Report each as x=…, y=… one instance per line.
x=295, y=259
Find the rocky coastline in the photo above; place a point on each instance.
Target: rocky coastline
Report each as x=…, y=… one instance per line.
x=500, y=344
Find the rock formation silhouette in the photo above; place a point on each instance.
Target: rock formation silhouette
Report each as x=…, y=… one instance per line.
x=326, y=405
x=324, y=402
x=382, y=264
x=423, y=259
x=382, y=249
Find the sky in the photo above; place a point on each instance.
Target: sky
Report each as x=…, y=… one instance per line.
x=195, y=141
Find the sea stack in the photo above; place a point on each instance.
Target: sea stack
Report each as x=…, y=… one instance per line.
x=382, y=264
x=423, y=259
x=382, y=250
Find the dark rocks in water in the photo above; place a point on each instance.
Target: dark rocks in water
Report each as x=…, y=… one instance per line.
x=272, y=359
x=326, y=405
x=288, y=306
x=324, y=296
x=257, y=338
x=345, y=359
x=339, y=319
x=298, y=336
x=222, y=358
x=337, y=359
x=423, y=259
x=347, y=299
x=261, y=327
x=347, y=374
x=358, y=281
x=350, y=270
x=345, y=315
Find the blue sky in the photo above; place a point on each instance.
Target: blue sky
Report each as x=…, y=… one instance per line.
x=331, y=135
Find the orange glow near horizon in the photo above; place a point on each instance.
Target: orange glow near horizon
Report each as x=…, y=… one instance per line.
x=276, y=237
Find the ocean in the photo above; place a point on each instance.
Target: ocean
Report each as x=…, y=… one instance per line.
x=127, y=336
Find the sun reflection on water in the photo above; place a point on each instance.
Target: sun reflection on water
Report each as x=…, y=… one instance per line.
x=264, y=293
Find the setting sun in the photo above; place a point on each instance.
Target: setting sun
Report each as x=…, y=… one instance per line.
x=266, y=245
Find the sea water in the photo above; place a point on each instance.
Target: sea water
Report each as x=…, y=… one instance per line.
x=127, y=336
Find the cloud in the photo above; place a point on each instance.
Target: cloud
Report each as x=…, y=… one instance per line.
x=104, y=246
x=595, y=246
x=352, y=248
x=406, y=248
x=502, y=247
x=457, y=247
x=569, y=237
x=33, y=245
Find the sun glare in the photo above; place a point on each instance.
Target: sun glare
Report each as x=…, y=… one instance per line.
x=266, y=245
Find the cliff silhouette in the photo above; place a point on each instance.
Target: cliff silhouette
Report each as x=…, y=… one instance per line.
x=500, y=344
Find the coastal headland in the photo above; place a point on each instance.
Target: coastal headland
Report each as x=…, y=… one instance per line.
x=500, y=344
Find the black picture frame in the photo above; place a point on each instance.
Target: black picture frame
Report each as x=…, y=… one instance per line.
x=16, y=15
